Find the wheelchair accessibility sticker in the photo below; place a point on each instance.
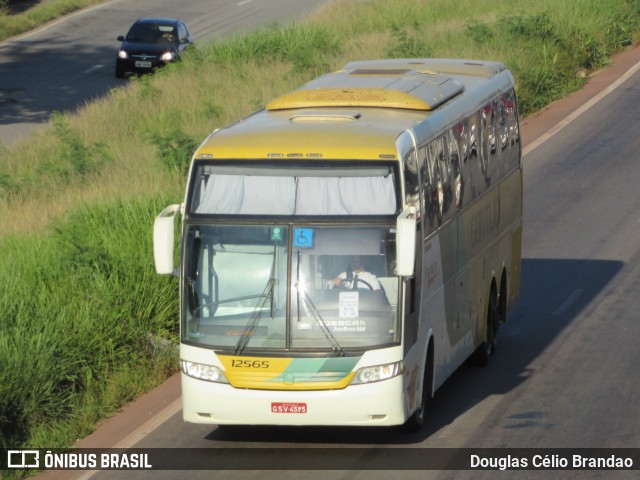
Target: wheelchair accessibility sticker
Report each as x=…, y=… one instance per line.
x=303, y=237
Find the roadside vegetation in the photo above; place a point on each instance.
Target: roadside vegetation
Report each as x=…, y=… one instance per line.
x=20, y=16
x=85, y=319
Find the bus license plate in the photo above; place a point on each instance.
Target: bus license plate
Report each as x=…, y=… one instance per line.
x=143, y=64
x=284, y=407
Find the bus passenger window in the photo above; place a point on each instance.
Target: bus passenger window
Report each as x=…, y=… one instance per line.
x=412, y=185
x=425, y=179
x=434, y=192
x=456, y=170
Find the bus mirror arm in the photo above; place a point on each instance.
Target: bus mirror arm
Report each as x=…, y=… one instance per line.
x=406, y=242
x=163, y=240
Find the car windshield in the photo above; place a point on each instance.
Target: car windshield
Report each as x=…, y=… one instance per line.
x=152, y=33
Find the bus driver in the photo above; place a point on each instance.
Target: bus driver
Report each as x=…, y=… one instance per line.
x=356, y=276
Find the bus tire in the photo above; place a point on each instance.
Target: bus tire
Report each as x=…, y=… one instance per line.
x=416, y=421
x=502, y=302
x=483, y=353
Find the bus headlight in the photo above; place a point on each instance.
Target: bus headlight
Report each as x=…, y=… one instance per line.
x=208, y=373
x=377, y=373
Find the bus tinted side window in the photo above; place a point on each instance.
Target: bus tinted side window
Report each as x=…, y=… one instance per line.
x=476, y=178
x=411, y=181
x=425, y=180
x=489, y=150
x=440, y=179
x=447, y=153
x=503, y=137
x=513, y=136
x=433, y=187
x=506, y=131
x=456, y=168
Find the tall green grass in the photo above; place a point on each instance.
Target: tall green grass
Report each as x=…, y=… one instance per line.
x=81, y=313
x=79, y=199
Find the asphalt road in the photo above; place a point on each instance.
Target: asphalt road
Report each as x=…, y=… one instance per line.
x=71, y=62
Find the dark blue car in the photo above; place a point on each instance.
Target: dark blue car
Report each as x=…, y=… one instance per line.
x=151, y=43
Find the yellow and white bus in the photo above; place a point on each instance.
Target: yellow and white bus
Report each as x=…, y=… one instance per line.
x=346, y=248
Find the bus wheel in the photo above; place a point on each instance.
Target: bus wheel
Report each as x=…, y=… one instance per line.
x=416, y=421
x=483, y=353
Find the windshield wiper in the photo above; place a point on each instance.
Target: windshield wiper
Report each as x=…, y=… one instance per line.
x=251, y=325
x=267, y=294
x=320, y=321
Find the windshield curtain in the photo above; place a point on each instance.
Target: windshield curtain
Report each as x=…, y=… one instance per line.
x=224, y=190
x=276, y=287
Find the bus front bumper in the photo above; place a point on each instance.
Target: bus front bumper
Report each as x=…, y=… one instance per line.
x=374, y=404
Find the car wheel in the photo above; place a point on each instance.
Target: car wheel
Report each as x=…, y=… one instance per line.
x=119, y=72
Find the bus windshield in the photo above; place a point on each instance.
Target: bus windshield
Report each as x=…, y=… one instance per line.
x=276, y=287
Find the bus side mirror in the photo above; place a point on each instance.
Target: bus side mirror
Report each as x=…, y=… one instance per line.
x=163, y=239
x=406, y=242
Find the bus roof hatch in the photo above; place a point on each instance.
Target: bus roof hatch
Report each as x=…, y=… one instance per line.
x=386, y=88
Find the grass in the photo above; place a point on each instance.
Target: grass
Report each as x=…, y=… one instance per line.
x=83, y=302
x=79, y=198
x=41, y=13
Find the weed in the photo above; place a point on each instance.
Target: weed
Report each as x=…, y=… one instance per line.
x=147, y=89
x=537, y=26
x=479, y=32
x=8, y=186
x=275, y=43
x=408, y=45
x=212, y=110
x=175, y=149
x=307, y=60
x=589, y=53
x=75, y=157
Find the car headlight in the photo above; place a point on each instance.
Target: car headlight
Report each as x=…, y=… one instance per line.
x=377, y=373
x=200, y=371
x=122, y=54
x=167, y=56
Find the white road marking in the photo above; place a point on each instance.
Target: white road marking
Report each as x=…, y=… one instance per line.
x=141, y=432
x=571, y=117
x=568, y=302
x=244, y=2
x=93, y=69
x=137, y=435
